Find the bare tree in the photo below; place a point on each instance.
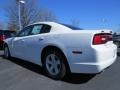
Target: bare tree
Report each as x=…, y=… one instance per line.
x=30, y=13
x=1, y=26
x=75, y=22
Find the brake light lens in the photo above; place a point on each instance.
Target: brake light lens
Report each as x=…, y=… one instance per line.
x=102, y=38
x=2, y=38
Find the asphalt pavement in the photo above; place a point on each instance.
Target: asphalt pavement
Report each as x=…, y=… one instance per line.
x=16, y=74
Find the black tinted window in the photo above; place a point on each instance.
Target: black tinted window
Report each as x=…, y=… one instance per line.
x=25, y=32
x=1, y=32
x=40, y=28
x=72, y=27
x=9, y=34
x=45, y=29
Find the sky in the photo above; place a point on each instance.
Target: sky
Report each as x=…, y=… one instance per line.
x=92, y=14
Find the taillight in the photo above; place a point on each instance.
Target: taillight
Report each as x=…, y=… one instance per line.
x=2, y=38
x=102, y=38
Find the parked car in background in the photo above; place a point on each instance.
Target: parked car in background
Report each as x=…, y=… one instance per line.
x=116, y=39
x=61, y=48
x=4, y=34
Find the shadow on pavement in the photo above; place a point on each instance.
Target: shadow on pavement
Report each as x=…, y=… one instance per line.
x=28, y=65
x=118, y=53
x=71, y=78
x=1, y=53
x=78, y=78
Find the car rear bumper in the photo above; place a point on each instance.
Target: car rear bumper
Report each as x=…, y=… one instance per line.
x=92, y=68
x=96, y=61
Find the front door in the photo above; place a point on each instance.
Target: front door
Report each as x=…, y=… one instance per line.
x=19, y=42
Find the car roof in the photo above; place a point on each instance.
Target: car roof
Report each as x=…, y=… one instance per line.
x=48, y=23
x=55, y=26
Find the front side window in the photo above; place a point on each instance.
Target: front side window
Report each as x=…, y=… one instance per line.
x=25, y=32
x=40, y=29
x=36, y=29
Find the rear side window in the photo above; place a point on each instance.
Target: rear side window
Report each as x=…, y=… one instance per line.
x=9, y=34
x=1, y=32
x=6, y=33
x=46, y=29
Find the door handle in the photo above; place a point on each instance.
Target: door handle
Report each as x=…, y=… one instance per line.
x=22, y=41
x=41, y=38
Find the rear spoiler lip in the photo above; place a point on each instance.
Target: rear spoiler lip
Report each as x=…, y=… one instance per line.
x=107, y=31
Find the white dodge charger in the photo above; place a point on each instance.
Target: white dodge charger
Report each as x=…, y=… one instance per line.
x=60, y=48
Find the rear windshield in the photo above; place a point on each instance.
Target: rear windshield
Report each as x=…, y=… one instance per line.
x=72, y=27
x=9, y=34
x=1, y=32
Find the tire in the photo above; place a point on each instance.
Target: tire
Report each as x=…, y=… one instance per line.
x=6, y=52
x=117, y=44
x=54, y=64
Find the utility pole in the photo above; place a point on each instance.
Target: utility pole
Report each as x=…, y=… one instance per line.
x=19, y=7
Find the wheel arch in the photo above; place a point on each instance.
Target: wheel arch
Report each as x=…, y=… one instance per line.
x=55, y=47
x=5, y=44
